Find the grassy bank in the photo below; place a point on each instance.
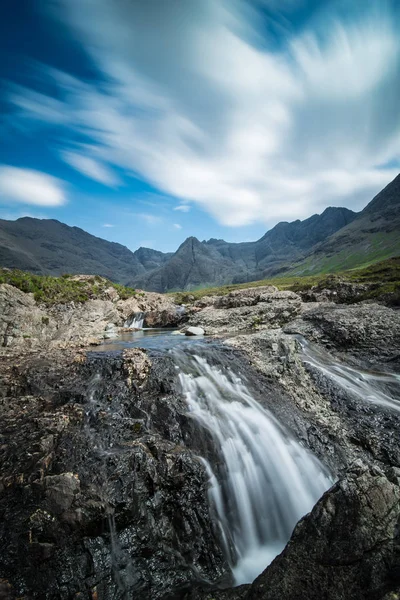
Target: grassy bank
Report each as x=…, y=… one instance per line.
x=385, y=274
x=59, y=290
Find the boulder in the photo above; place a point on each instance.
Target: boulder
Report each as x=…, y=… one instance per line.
x=22, y=321
x=194, y=331
x=347, y=547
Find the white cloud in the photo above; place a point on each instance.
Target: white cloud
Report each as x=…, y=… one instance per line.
x=108, y=225
x=30, y=187
x=90, y=167
x=149, y=218
x=195, y=106
x=177, y=226
x=183, y=207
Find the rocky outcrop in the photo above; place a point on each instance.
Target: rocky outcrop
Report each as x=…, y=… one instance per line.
x=338, y=291
x=347, y=547
x=247, y=311
x=369, y=330
x=21, y=320
x=246, y=297
x=26, y=323
x=98, y=494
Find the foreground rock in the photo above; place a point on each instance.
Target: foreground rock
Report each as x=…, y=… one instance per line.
x=347, y=547
x=98, y=494
x=101, y=491
x=370, y=331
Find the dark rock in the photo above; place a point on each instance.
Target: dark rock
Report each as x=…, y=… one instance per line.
x=98, y=491
x=347, y=547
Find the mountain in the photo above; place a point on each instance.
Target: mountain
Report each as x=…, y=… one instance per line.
x=46, y=246
x=373, y=235
x=216, y=262
x=336, y=239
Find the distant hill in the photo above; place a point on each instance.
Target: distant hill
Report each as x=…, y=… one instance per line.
x=46, y=246
x=373, y=235
x=335, y=240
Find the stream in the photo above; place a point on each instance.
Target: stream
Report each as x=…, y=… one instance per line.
x=376, y=387
x=261, y=479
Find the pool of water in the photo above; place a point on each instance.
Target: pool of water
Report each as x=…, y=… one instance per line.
x=150, y=339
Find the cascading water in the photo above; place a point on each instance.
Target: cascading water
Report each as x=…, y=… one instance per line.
x=135, y=321
x=375, y=387
x=263, y=481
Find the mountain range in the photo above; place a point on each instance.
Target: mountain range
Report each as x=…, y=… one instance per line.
x=337, y=239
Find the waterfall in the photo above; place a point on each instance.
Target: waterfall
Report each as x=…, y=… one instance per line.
x=135, y=321
x=371, y=386
x=263, y=481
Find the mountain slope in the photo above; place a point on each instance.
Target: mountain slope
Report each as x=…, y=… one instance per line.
x=46, y=246
x=216, y=262
x=373, y=235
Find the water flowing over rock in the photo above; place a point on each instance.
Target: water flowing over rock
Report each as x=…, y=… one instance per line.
x=263, y=481
x=28, y=324
x=347, y=547
x=135, y=321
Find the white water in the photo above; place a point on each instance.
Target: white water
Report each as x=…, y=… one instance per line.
x=264, y=482
x=374, y=387
x=135, y=321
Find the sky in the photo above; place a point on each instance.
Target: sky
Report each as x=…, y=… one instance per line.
x=148, y=121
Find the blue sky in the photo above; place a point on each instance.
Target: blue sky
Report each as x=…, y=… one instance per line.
x=148, y=121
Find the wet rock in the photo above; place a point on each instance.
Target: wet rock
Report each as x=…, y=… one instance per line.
x=137, y=365
x=97, y=489
x=347, y=547
x=337, y=425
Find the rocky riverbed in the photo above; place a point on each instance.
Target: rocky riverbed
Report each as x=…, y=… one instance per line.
x=102, y=491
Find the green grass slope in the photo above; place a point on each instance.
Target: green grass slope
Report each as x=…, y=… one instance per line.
x=385, y=274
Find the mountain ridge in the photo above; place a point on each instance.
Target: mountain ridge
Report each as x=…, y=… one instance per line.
x=337, y=238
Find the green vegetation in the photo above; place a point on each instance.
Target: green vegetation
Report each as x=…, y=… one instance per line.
x=59, y=290
x=385, y=276
x=379, y=246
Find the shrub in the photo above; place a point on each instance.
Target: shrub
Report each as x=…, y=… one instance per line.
x=60, y=290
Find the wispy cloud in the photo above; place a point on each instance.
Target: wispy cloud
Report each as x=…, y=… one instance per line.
x=149, y=218
x=108, y=225
x=90, y=167
x=195, y=105
x=30, y=187
x=183, y=208
x=177, y=226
